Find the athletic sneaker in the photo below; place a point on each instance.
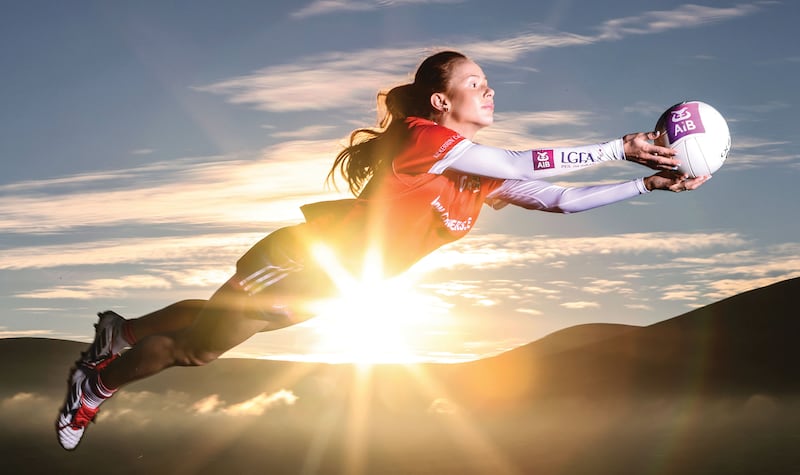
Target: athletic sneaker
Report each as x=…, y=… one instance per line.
x=75, y=415
x=108, y=341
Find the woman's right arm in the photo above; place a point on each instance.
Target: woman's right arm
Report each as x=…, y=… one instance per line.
x=476, y=159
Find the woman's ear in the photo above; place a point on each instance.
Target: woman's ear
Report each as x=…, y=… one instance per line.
x=439, y=102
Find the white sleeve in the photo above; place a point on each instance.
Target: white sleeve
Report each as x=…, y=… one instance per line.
x=544, y=196
x=476, y=159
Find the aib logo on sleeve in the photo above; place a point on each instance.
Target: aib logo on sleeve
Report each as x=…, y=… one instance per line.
x=684, y=120
x=543, y=159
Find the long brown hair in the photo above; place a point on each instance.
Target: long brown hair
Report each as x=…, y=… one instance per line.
x=369, y=149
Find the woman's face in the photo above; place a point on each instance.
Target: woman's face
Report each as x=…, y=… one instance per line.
x=468, y=104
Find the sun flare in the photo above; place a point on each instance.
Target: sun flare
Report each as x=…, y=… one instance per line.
x=373, y=319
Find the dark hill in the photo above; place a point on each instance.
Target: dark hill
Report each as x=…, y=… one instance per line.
x=740, y=346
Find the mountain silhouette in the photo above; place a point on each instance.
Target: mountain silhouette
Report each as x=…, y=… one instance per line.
x=740, y=346
x=716, y=388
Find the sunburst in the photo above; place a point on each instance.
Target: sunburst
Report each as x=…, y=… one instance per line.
x=373, y=319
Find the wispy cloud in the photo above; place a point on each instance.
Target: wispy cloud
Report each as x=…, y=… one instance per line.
x=341, y=80
x=100, y=288
x=324, y=7
x=255, y=406
x=490, y=251
x=222, y=191
x=261, y=403
x=180, y=402
x=25, y=333
x=580, y=305
x=335, y=80
x=306, y=133
x=128, y=250
x=680, y=17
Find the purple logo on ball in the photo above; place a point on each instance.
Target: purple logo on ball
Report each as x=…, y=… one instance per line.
x=543, y=160
x=683, y=120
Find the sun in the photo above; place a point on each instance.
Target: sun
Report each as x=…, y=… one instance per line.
x=373, y=319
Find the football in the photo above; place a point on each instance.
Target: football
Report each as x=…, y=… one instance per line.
x=700, y=135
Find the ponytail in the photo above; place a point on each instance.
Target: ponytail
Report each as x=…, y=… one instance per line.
x=369, y=149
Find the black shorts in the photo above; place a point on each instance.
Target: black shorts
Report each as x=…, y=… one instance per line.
x=279, y=273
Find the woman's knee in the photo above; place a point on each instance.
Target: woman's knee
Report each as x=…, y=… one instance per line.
x=195, y=357
x=187, y=351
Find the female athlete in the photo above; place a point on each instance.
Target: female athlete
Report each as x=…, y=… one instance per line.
x=419, y=181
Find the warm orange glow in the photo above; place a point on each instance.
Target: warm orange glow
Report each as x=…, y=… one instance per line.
x=374, y=320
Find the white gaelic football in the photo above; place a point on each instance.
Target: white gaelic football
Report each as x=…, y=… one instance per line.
x=698, y=133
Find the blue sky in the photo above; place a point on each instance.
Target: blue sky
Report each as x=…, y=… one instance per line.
x=146, y=145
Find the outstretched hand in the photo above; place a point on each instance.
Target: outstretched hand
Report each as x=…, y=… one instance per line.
x=639, y=148
x=674, y=181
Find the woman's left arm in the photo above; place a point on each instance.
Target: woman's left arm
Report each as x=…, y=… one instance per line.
x=544, y=196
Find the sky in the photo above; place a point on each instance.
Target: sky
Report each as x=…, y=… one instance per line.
x=146, y=145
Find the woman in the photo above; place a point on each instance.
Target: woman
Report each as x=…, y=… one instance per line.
x=420, y=183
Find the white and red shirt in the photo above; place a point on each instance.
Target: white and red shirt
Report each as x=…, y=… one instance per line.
x=433, y=192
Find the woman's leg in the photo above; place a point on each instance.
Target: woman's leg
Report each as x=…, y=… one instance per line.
x=171, y=318
x=224, y=321
x=114, y=333
x=277, y=290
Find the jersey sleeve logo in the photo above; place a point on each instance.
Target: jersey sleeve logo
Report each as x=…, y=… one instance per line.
x=543, y=159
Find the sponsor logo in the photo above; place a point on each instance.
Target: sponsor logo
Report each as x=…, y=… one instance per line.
x=683, y=121
x=577, y=157
x=451, y=223
x=543, y=159
x=446, y=145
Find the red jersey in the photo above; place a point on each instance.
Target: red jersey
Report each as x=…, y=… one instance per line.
x=405, y=211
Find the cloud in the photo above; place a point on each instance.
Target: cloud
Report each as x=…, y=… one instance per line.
x=751, y=152
x=529, y=311
x=343, y=80
x=213, y=248
x=308, y=132
x=219, y=191
x=526, y=130
x=604, y=286
x=25, y=333
x=324, y=7
x=99, y=288
x=681, y=292
x=207, y=405
x=351, y=80
x=580, y=305
x=681, y=17
x=175, y=402
x=261, y=403
x=491, y=251
x=22, y=400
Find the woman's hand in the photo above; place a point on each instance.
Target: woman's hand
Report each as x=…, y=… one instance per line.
x=640, y=149
x=672, y=181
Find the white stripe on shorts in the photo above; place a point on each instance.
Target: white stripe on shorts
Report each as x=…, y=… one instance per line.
x=266, y=276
